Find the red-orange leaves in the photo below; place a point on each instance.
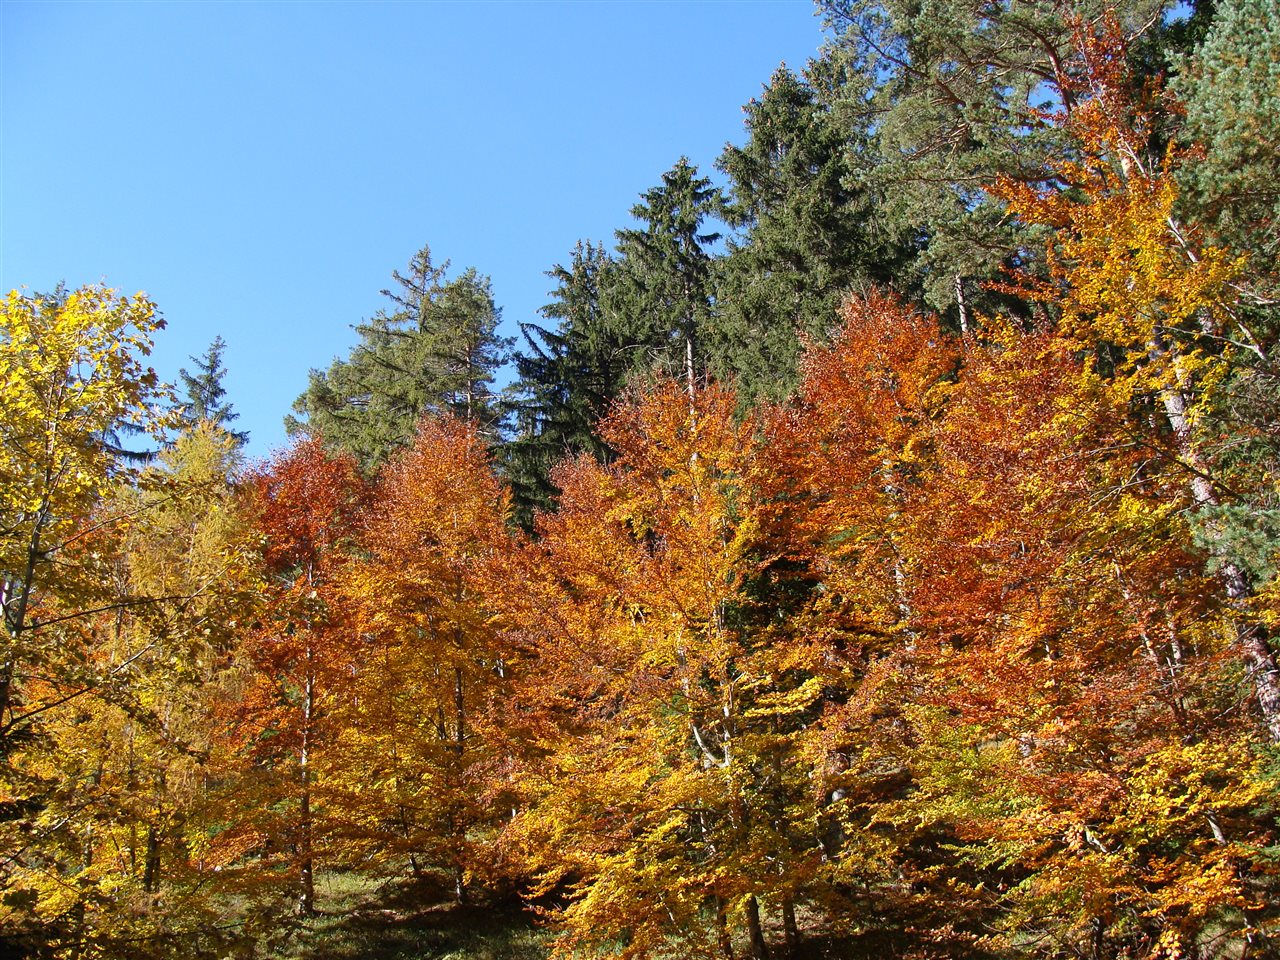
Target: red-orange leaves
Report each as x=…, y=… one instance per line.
x=847, y=457
x=656, y=785
x=407, y=783
x=308, y=504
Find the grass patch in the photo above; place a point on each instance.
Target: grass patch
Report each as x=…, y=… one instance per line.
x=361, y=919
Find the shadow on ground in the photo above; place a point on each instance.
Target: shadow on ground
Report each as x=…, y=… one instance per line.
x=362, y=921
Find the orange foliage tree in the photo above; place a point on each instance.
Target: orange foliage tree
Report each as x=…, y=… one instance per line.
x=308, y=506
x=1154, y=308
x=658, y=783
x=406, y=785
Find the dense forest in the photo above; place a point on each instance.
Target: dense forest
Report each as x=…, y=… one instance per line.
x=874, y=554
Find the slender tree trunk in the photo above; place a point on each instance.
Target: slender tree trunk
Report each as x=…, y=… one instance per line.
x=1098, y=944
x=689, y=375
x=460, y=735
x=962, y=306
x=460, y=886
x=77, y=945
x=755, y=932
x=151, y=866
x=16, y=598
x=459, y=711
x=790, y=930
x=1250, y=638
x=722, y=930
x=306, y=878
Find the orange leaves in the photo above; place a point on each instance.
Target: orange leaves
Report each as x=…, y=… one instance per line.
x=1122, y=270
x=648, y=693
x=846, y=458
x=415, y=709
x=308, y=503
x=1008, y=613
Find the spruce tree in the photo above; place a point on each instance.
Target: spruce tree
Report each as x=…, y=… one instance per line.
x=1231, y=91
x=567, y=377
x=435, y=351
x=660, y=300
x=807, y=233
x=204, y=393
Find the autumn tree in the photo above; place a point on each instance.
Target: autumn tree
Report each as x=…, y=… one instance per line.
x=113, y=846
x=407, y=776
x=1136, y=287
x=71, y=372
x=307, y=505
x=658, y=784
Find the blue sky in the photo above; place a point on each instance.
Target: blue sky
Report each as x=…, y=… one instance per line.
x=260, y=168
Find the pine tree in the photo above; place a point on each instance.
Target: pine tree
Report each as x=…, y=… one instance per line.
x=1231, y=90
x=204, y=392
x=959, y=92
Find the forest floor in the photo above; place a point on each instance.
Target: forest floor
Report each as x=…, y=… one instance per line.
x=361, y=920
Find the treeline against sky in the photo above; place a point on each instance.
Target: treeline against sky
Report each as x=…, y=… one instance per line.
x=893, y=575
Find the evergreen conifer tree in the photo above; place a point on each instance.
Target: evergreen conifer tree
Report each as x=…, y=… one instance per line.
x=1231, y=91
x=661, y=298
x=435, y=351
x=567, y=377
x=205, y=392
x=808, y=233
x=958, y=92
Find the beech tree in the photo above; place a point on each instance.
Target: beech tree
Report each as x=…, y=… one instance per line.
x=630, y=609
x=307, y=505
x=70, y=373
x=406, y=775
x=112, y=846
x=1135, y=285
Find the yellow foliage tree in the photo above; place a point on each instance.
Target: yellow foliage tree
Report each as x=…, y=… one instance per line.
x=71, y=375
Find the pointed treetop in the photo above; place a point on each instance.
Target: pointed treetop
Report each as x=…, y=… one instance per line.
x=205, y=393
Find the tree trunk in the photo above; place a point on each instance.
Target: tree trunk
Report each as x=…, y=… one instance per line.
x=790, y=930
x=151, y=867
x=722, y=931
x=962, y=306
x=1250, y=639
x=458, y=827
x=306, y=879
x=459, y=886
x=1098, y=946
x=755, y=932
x=689, y=375
x=78, y=912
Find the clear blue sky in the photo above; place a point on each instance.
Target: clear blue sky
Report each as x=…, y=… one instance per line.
x=260, y=168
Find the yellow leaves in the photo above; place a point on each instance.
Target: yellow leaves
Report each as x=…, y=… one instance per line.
x=69, y=377
x=785, y=702
x=1181, y=786
x=1123, y=271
